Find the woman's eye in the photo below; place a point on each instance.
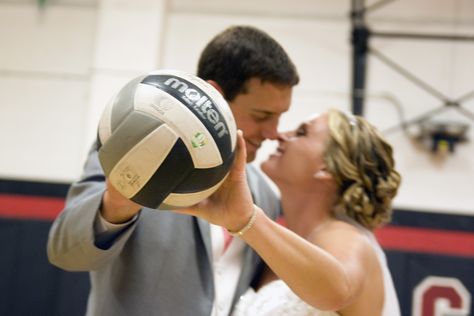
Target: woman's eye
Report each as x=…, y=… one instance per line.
x=300, y=132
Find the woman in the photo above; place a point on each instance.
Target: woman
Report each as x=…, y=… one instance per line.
x=337, y=179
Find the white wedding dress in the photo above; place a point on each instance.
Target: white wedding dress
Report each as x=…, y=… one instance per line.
x=276, y=298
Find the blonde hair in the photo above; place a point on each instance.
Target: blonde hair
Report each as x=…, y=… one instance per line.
x=362, y=164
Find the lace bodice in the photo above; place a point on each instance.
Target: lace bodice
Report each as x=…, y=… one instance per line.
x=275, y=298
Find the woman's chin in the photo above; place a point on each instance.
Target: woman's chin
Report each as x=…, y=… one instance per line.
x=268, y=167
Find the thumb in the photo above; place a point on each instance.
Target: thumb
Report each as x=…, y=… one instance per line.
x=238, y=167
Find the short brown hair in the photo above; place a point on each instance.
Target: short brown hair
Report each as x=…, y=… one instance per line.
x=239, y=53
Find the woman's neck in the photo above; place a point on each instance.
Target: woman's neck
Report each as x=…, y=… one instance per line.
x=306, y=209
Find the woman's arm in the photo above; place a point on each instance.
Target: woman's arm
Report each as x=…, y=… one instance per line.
x=327, y=272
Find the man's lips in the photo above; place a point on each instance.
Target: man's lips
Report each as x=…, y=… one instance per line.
x=253, y=144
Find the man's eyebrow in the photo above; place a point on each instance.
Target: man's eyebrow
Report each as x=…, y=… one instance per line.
x=264, y=112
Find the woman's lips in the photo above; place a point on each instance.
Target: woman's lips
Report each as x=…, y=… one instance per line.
x=278, y=152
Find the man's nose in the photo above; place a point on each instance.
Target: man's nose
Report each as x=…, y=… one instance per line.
x=270, y=130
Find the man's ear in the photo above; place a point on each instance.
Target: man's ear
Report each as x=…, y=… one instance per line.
x=216, y=85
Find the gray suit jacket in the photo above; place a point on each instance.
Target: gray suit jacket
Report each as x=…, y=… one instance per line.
x=159, y=265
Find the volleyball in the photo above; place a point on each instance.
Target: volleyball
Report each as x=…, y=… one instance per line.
x=167, y=139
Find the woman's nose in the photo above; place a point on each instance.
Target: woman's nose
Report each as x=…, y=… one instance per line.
x=283, y=137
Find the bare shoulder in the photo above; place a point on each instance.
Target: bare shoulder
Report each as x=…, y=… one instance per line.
x=351, y=248
x=336, y=229
x=343, y=240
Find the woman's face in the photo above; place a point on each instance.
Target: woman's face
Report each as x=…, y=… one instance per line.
x=300, y=153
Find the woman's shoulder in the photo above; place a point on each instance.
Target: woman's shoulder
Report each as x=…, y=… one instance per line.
x=335, y=227
x=337, y=236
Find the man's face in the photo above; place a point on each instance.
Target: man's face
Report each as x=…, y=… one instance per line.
x=258, y=110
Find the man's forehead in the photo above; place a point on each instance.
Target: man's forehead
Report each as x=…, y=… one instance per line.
x=271, y=96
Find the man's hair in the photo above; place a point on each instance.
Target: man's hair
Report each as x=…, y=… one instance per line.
x=239, y=53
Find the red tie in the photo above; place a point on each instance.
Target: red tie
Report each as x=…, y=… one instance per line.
x=227, y=239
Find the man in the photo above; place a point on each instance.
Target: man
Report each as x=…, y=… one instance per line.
x=149, y=262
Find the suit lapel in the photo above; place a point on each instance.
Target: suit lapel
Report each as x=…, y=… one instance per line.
x=205, y=230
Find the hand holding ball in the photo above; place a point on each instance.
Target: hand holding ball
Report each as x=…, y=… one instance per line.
x=167, y=140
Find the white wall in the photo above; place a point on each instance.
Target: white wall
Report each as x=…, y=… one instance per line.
x=59, y=66
x=45, y=59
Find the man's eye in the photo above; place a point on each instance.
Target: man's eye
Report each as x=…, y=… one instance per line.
x=261, y=118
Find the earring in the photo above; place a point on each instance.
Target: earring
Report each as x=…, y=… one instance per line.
x=319, y=173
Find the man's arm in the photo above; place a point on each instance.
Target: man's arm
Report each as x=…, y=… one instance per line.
x=72, y=243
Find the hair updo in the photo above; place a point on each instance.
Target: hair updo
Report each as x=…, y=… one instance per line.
x=362, y=164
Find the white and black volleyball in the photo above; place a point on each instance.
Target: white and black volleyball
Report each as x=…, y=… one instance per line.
x=167, y=139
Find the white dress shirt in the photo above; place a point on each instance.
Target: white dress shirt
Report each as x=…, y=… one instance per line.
x=227, y=267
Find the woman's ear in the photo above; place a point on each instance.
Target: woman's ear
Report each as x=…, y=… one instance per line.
x=322, y=174
x=216, y=85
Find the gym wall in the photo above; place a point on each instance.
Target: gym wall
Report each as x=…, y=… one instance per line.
x=61, y=61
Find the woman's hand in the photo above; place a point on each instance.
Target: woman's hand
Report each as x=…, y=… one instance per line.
x=115, y=207
x=231, y=205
